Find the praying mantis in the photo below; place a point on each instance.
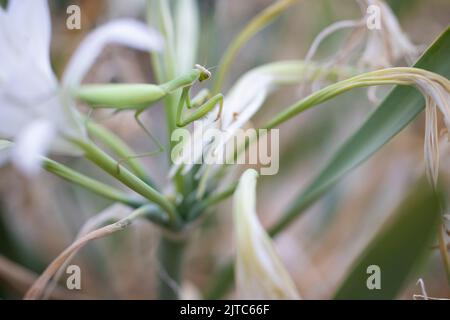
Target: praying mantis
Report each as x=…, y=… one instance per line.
x=140, y=97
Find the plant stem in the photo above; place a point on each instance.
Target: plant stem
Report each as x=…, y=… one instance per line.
x=222, y=284
x=118, y=146
x=170, y=257
x=164, y=66
x=93, y=185
x=218, y=197
x=108, y=164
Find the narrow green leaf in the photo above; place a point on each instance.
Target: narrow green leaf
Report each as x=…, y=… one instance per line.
x=401, y=106
x=396, y=250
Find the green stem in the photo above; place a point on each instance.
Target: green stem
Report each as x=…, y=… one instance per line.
x=90, y=184
x=218, y=197
x=390, y=76
x=319, y=97
x=222, y=283
x=170, y=256
x=165, y=26
x=108, y=164
x=254, y=26
x=119, y=147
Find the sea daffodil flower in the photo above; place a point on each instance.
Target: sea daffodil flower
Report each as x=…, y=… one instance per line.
x=36, y=111
x=260, y=274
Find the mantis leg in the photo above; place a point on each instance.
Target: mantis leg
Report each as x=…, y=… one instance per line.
x=203, y=107
x=201, y=97
x=145, y=154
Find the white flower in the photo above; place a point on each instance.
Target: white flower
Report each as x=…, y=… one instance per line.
x=39, y=130
x=259, y=272
x=36, y=112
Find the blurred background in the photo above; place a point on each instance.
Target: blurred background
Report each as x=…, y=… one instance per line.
x=40, y=217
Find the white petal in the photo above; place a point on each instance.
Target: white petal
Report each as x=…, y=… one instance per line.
x=30, y=95
x=31, y=145
x=125, y=31
x=431, y=142
x=26, y=31
x=259, y=272
x=338, y=25
x=375, y=53
x=399, y=42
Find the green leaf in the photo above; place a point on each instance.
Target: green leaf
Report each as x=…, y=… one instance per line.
x=397, y=249
x=401, y=106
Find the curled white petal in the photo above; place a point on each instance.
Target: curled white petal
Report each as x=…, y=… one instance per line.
x=338, y=25
x=388, y=44
x=259, y=272
x=126, y=32
x=401, y=45
x=31, y=145
x=431, y=142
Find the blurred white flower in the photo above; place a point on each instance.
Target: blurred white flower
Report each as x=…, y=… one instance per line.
x=39, y=130
x=36, y=112
x=259, y=272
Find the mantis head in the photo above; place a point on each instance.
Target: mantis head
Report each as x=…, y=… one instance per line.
x=205, y=74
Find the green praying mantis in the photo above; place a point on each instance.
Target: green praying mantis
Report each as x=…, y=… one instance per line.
x=140, y=97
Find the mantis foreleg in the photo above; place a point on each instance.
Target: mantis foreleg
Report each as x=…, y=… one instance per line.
x=203, y=108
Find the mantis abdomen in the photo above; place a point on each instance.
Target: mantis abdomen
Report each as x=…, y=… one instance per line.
x=121, y=96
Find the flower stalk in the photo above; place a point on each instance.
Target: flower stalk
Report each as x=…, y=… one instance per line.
x=170, y=256
x=119, y=147
x=108, y=164
x=90, y=184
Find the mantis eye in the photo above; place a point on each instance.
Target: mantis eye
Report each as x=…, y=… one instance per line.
x=205, y=74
